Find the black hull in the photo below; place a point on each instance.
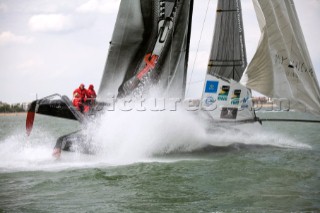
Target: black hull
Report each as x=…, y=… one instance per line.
x=77, y=141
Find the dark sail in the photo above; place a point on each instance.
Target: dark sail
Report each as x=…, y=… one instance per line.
x=223, y=97
x=134, y=37
x=228, y=55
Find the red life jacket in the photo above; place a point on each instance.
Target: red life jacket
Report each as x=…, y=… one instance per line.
x=90, y=92
x=77, y=103
x=80, y=93
x=79, y=97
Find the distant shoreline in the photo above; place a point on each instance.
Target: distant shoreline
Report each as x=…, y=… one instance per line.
x=12, y=113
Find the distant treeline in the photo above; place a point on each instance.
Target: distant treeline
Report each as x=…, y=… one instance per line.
x=4, y=107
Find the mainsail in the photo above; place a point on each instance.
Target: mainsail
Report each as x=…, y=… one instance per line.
x=141, y=25
x=281, y=66
x=224, y=97
x=228, y=53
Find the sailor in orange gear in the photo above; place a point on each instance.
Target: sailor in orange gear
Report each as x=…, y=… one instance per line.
x=91, y=95
x=79, y=98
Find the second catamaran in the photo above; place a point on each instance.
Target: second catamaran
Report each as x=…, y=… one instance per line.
x=230, y=101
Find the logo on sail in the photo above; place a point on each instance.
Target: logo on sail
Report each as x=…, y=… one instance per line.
x=235, y=98
x=244, y=102
x=209, y=101
x=224, y=92
x=229, y=113
x=212, y=86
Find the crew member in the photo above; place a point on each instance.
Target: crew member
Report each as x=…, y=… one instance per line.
x=79, y=98
x=91, y=95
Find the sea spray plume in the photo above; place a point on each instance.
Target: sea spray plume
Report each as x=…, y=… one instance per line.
x=123, y=138
x=134, y=135
x=130, y=135
x=17, y=152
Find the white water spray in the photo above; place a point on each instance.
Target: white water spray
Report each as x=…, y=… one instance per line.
x=122, y=137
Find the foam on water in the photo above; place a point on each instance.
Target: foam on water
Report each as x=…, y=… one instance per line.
x=19, y=152
x=122, y=137
x=134, y=135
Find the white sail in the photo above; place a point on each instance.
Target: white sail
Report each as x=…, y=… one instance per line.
x=281, y=66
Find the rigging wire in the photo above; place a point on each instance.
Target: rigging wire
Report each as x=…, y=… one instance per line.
x=195, y=59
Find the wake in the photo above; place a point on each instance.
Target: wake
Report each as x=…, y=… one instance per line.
x=121, y=138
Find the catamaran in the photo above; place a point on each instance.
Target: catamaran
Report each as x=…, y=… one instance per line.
x=149, y=51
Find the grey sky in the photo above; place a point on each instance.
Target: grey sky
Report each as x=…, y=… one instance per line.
x=51, y=47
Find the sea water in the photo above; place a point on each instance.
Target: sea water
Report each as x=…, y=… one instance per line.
x=159, y=162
